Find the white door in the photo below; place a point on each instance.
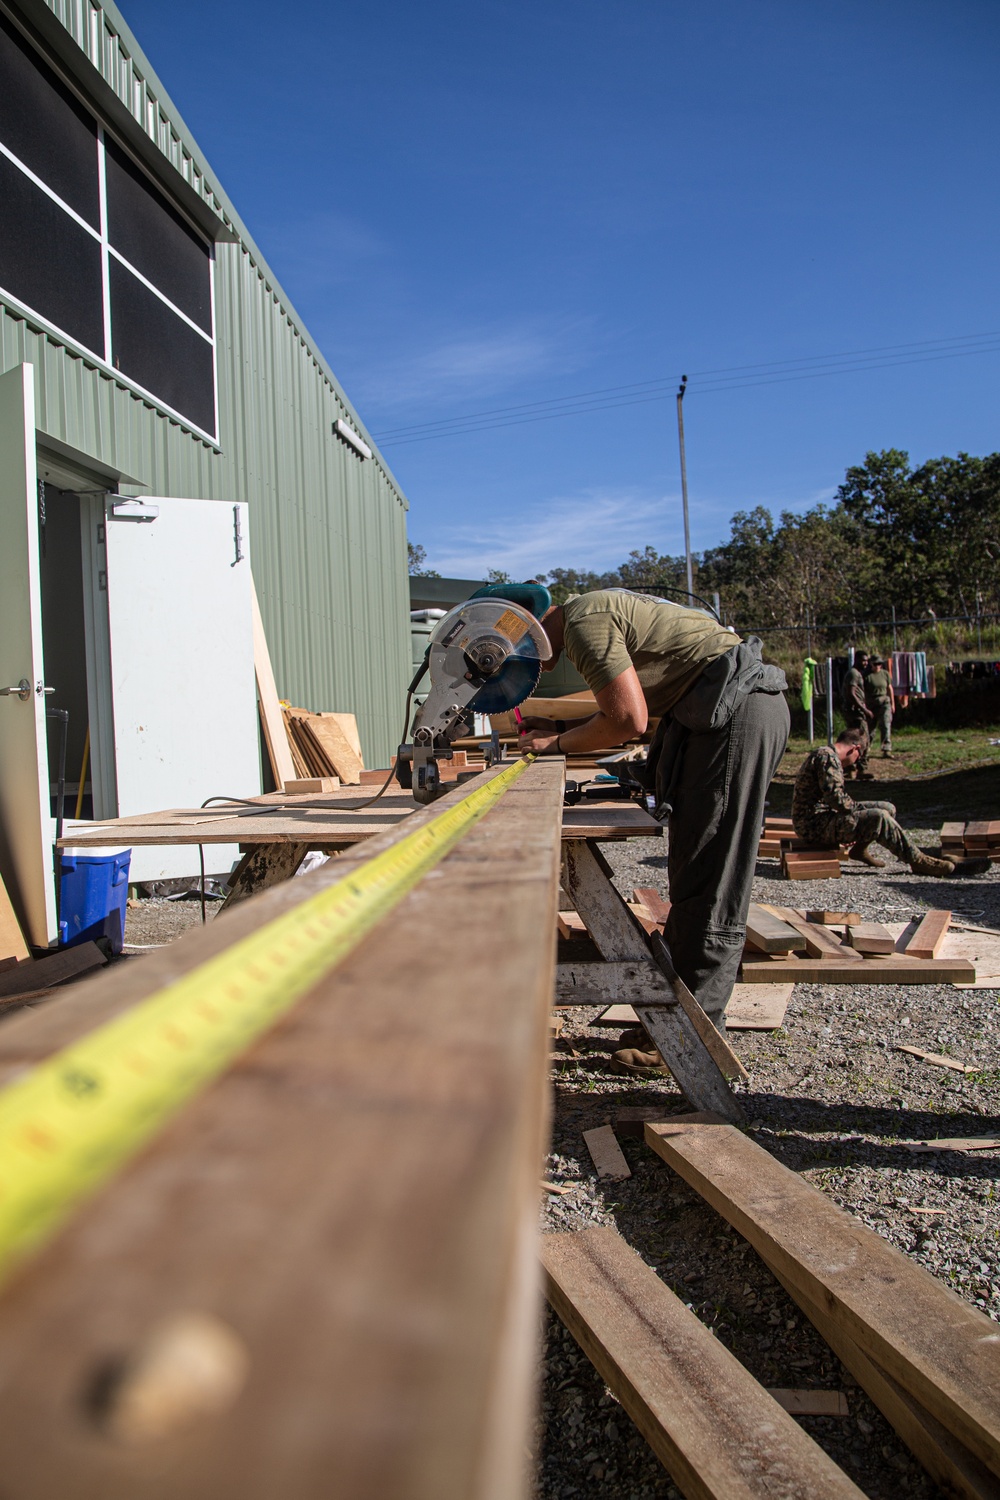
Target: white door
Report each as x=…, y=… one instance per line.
x=184, y=702
x=26, y=827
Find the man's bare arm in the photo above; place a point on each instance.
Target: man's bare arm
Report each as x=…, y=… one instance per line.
x=621, y=715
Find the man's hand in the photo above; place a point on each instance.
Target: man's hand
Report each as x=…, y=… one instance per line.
x=533, y=721
x=538, y=743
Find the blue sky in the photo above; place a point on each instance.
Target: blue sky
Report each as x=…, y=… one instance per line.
x=480, y=206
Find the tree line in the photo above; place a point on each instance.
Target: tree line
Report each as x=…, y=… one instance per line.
x=924, y=542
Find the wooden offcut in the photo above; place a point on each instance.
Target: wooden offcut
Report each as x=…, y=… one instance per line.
x=606, y=1154
x=717, y=1432
x=941, y=1350
x=769, y=934
x=927, y=941
x=355, y=1198
x=936, y=1059
x=12, y=943
x=51, y=969
x=871, y=938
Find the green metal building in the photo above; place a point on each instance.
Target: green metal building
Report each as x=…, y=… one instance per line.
x=167, y=360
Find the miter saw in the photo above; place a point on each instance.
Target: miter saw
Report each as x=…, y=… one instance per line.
x=484, y=657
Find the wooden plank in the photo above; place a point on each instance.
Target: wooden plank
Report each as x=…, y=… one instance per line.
x=619, y=939
x=271, y=718
x=942, y=1455
x=719, y=1434
x=355, y=1199
x=598, y=983
x=757, y=1007
x=302, y=784
x=871, y=938
x=936, y=1059
x=606, y=1154
x=349, y=727
x=957, y=1143
x=833, y=918
x=811, y=1403
x=890, y=970
x=768, y=934
x=658, y=908
x=53, y=968
x=324, y=730
x=940, y=1349
x=927, y=940
x=817, y=941
x=616, y=822
x=12, y=943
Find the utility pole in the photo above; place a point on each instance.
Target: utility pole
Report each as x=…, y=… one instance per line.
x=684, y=485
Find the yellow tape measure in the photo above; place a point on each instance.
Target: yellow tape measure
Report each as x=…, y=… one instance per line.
x=76, y=1118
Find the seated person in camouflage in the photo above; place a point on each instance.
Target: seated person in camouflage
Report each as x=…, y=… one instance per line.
x=823, y=813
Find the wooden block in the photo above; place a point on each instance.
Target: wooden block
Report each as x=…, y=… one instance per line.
x=833, y=918
x=954, y=831
x=871, y=937
x=813, y=870
x=631, y=1121
x=818, y=942
x=937, y=1059
x=618, y=1015
x=938, y=1347
x=892, y=969
x=301, y=784
x=768, y=934
x=12, y=943
x=798, y=853
x=812, y=1403
x=757, y=1007
x=717, y=1432
x=53, y=968
x=927, y=940
x=606, y=1154
x=783, y=825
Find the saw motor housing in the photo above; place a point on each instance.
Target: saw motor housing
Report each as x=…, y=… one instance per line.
x=484, y=657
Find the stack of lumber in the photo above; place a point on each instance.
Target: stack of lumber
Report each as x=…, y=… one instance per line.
x=926, y=1358
x=324, y=745
x=980, y=840
x=786, y=944
x=800, y=860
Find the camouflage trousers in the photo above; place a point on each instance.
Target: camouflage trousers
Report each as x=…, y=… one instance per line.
x=869, y=823
x=883, y=723
x=857, y=720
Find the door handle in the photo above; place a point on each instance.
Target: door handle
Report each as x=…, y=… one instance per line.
x=22, y=691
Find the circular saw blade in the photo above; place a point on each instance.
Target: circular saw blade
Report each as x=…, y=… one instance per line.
x=515, y=681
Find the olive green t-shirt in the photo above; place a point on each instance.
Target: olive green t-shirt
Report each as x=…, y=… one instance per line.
x=610, y=630
x=878, y=685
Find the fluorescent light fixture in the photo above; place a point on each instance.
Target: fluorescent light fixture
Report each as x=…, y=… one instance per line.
x=350, y=437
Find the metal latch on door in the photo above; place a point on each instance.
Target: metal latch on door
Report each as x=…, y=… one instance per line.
x=23, y=690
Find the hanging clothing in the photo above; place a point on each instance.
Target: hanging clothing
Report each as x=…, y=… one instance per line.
x=810, y=685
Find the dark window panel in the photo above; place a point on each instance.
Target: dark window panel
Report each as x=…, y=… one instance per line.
x=144, y=228
x=46, y=126
x=154, y=347
x=48, y=262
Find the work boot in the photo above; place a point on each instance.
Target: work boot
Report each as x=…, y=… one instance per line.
x=636, y=1037
x=926, y=864
x=862, y=852
x=639, y=1064
x=867, y=776
x=887, y=754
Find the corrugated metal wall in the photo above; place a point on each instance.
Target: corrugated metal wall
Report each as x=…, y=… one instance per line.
x=327, y=530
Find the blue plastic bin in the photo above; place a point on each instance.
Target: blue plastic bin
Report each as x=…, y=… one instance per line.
x=93, y=892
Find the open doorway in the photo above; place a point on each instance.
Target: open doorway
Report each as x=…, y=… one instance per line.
x=64, y=645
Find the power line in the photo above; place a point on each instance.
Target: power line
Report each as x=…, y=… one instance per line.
x=707, y=381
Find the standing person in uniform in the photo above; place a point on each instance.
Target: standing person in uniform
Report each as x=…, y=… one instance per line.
x=881, y=702
x=723, y=729
x=857, y=714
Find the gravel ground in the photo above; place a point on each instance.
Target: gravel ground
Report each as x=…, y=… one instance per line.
x=832, y=1101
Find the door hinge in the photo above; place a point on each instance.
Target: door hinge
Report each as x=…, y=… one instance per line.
x=237, y=537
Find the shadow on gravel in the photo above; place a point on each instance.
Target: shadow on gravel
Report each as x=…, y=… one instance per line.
x=811, y=1115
